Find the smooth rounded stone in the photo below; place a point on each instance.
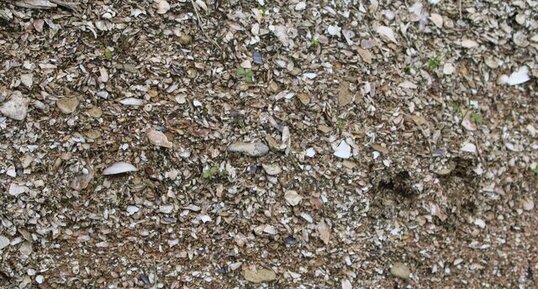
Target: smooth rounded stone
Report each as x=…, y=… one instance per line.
x=259, y=275
x=400, y=270
x=16, y=108
x=163, y=7
x=95, y=112
x=272, y=170
x=67, y=105
x=185, y=39
x=252, y=149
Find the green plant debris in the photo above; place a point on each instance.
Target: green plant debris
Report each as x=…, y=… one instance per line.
x=434, y=63
x=107, y=53
x=246, y=74
x=213, y=172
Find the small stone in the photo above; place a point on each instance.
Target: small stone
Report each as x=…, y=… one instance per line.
x=300, y=6
x=303, y=98
x=4, y=242
x=27, y=80
x=166, y=209
x=163, y=7
x=67, y=105
x=310, y=152
x=252, y=149
x=272, y=170
x=346, y=284
x=185, y=39
x=528, y=204
x=16, y=108
x=26, y=249
x=259, y=275
x=40, y=279
x=480, y=223
x=16, y=190
x=102, y=94
x=131, y=210
x=95, y=112
x=448, y=68
x=468, y=147
x=400, y=270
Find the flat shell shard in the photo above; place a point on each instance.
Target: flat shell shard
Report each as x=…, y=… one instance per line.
x=158, y=138
x=36, y=4
x=468, y=43
x=334, y=30
x=259, y=275
x=252, y=149
x=119, y=168
x=343, y=150
x=387, y=33
x=324, y=232
x=468, y=147
x=4, y=242
x=344, y=95
x=437, y=20
x=293, y=198
x=408, y=84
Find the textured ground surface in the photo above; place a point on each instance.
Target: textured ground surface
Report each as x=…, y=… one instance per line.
x=401, y=135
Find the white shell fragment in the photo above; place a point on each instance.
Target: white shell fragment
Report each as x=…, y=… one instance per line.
x=252, y=149
x=310, y=152
x=119, y=168
x=387, y=33
x=131, y=210
x=468, y=43
x=518, y=77
x=163, y=7
x=132, y=101
x=16, y=190
x=158, y=138
x=343, y=150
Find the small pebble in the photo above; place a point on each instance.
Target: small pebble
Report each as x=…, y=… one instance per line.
x=400, y=270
